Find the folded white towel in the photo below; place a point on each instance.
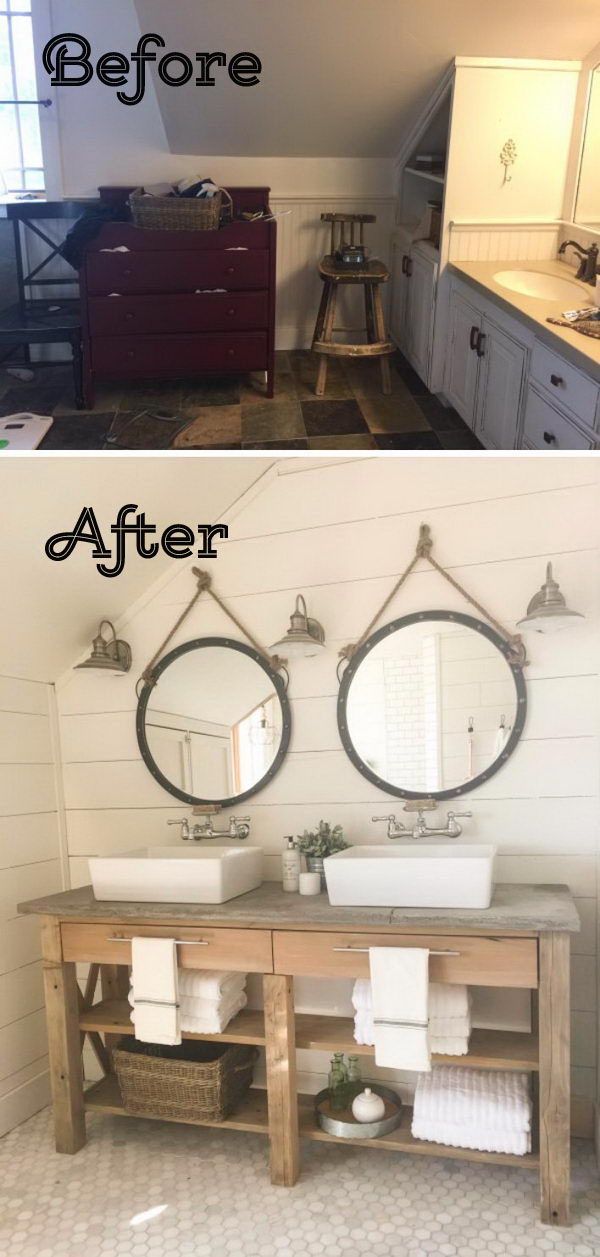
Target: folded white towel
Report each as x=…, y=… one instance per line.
x=154, y=978
x=493, y=1100
x=215, y=1021
x=449, y=1017
x=440, y=1044
x=400, y=984
x=210, y=983
x=486, y=1140
x=448, y=1000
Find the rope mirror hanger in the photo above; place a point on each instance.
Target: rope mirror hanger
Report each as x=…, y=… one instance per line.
x=204, y=584
x=516, y=653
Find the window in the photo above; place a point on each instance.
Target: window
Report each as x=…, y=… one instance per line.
x=21, y=164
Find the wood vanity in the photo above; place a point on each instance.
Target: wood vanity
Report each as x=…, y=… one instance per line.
x=521, y=941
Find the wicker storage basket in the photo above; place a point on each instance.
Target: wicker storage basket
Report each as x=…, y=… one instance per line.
x=195, y=1081
x=177, y=213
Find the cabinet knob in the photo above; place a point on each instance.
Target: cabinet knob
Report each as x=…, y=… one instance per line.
x=556, y=380
x=130, y=353
x=231, y=353
x=230, y=270
x=129, y=315
x=231, y=312
x=127, y=270
x=549, y=438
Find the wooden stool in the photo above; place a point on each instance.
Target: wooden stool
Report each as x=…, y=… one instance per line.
x=370, y=274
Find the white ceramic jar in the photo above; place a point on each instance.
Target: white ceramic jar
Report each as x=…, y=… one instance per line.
x=368, y=1107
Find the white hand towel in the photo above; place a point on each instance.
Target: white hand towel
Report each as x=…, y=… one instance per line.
x=448, y=1000
x=154, y=981
x=210, y=983
x=400, y=984
x=448, y=1044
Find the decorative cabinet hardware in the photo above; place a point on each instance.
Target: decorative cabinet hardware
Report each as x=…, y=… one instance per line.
x=549, y=438
x=556, y=380
x=179, y=942
x=366, y=949
x=473, y=337
x=480, y=346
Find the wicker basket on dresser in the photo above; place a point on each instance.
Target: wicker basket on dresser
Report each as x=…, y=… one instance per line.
x=164, y=323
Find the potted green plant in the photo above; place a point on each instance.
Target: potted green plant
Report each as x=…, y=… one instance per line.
x=316, y=844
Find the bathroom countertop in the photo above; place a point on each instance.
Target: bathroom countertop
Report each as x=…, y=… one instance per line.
x=582, y=351
x=516, y=908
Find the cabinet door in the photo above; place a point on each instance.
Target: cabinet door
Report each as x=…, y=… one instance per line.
x=420, y=294
x=462, y=363
x=398, y=302
x=499, y=388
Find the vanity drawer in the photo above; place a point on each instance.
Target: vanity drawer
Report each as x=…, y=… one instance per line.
x=545, y=428
x=565, y=384
x=246, y=951
x=474, y=961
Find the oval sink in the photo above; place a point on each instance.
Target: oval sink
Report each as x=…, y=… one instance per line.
x=539, y=284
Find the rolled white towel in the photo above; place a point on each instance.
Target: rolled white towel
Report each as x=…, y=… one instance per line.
x=474, y=1136
x=490, y=1099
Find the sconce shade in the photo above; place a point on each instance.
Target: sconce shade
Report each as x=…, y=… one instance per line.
x=548, y=612
x=108, y=655
x=304, y=637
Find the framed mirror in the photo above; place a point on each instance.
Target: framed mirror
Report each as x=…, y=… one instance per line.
x=215, y=726
x=430, y=706
x=587, y=211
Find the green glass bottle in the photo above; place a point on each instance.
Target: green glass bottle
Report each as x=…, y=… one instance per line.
x=354, y=1083
x=338, y=1083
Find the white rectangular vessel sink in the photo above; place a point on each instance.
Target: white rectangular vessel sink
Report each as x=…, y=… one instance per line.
x=203, y=874
x=412, y=875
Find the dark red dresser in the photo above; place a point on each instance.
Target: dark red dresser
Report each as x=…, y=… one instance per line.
x=163, y=322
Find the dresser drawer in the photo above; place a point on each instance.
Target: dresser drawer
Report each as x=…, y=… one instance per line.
x=180, y=271
x=183, y=312
x=207, y=351
x=545, y=429
x=565, y=384
x=477, y=961
x=246, y=951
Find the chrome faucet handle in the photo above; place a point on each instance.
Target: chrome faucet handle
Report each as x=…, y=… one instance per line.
x=451, y=815
x=185, y=827
x=391, y=817
x=239, y=826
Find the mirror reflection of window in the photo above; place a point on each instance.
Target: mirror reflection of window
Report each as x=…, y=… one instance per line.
x=431, y=706
x=588, y=193
x=214, y=722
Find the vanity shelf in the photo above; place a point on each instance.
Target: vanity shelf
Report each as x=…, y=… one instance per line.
x=252, y=1115
x=489, y=1049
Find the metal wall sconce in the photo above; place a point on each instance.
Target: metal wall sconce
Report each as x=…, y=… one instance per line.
x=548, y=612
x=108, y=655
x=305, y=637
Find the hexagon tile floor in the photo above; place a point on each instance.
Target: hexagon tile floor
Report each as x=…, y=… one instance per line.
x=154, y=1189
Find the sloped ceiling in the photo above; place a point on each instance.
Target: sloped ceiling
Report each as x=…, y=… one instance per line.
x=51, y=610
x=341, y=78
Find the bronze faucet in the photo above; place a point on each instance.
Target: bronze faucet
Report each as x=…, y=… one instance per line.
x=588, y=265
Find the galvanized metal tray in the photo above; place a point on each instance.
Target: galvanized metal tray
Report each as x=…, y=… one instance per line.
x=346, y=1127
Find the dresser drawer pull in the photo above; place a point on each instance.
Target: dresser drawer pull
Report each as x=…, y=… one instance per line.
x=231, y=353
x=129, y=315
x=366, y=949
x=556, y=380
x=549, y=438
x=180, y=942
x=231, y=312
x=230, y=270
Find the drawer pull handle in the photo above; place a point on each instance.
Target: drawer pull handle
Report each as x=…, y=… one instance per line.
x=129, y=315
x=549, y=438
x=180, y=942
x=230, y=270
x=473, y=338
x=556, y=380
x=480, y=346
x=231, y=353
x=365, y=949
x=231, y=313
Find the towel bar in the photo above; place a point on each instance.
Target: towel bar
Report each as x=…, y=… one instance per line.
x=365, y=949
x=180, y=942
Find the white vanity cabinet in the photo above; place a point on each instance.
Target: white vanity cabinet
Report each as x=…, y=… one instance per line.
x=414, y=276
x=512, y=390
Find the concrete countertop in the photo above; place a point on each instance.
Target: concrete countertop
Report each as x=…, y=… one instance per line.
x=528, y=909
x=582, y=351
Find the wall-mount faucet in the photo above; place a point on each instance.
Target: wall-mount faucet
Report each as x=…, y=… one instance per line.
x=239, y=827
x=588, y=265
x=395, y=829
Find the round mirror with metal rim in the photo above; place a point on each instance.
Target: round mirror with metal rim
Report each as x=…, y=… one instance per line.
x=431, y=706
x=215, y=725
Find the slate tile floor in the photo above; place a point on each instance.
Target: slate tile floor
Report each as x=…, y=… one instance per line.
x=154, y=1189
x=229, y=413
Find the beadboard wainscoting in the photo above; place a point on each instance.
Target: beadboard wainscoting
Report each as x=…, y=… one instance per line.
x=30, y=865
x=340, y=532
x=503, y=241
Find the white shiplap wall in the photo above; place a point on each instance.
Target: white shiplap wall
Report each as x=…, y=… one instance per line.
x=30, y=865
x=341, y=532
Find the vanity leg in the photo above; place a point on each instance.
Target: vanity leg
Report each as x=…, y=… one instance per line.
x=114, y=984
x=64, y=1048
x=281, y=1078
x=554, y=1031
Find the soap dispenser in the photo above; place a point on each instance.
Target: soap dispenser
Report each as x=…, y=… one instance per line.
x=290, y=863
